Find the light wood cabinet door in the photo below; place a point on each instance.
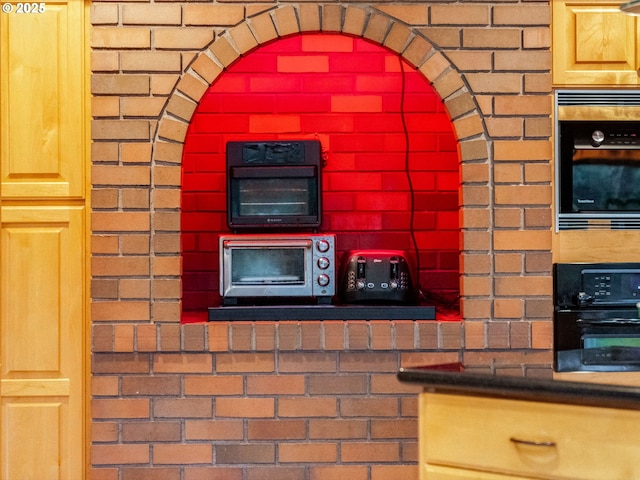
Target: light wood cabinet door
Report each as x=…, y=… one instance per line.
x=42, y=107
x=594, y=44
x=41, y=343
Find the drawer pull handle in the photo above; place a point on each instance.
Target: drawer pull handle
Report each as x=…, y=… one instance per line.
x=532, y=443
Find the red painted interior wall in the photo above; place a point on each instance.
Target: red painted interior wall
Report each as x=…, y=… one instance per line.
x=358, y=100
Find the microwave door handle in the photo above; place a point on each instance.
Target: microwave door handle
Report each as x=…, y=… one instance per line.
x=266, y=243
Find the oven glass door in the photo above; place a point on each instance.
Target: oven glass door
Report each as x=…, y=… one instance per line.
x=266, y=268
x=274, y=196
x=611, y=345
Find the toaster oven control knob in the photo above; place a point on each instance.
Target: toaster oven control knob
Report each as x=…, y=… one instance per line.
x=393, y=284
x=323, y=280
x=323, y=263
x=323, y=246
x=597, y=137
x=361, y=284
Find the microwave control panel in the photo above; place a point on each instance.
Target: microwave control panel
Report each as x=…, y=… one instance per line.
x=603, y=134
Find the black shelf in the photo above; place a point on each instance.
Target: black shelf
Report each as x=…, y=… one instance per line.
x=321, y=312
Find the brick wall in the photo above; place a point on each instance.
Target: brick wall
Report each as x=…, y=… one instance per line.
x=173, y=401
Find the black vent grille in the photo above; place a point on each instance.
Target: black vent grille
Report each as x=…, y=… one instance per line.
x=598, y=97
x=595, y=221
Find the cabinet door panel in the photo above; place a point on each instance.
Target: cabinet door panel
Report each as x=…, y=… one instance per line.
x=23, y=418
x=593, y=44
x=41, y=121
x=41, y=342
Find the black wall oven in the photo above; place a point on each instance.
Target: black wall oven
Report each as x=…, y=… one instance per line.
x=274, y=185
x=598, y=159
x=596, y=323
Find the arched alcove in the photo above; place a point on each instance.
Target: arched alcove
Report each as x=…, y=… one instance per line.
x=391, y=170
x=210, y=66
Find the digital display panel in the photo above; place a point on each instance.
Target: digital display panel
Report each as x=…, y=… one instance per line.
x=612, y=286
x=603, y=341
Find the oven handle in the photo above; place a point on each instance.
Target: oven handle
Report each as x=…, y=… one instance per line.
x=302, y=171
x=266, y=243
x=609, y=321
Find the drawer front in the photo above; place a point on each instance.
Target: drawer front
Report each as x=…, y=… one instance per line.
x=436, y=472
x=527, y=438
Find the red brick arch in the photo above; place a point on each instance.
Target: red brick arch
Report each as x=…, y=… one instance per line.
x=266, y=27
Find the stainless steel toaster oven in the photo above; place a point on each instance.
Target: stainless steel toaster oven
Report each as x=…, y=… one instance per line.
x=282, y=268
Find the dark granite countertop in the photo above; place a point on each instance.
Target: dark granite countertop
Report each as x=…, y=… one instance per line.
x=452, y=378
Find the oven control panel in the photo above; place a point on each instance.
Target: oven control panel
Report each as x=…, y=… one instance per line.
x=612, y=286
x=590, y=284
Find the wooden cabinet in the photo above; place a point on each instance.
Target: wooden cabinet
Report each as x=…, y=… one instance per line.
x=44, y=157
x=41, y=342
x=462, y=436
x=42, y=139
x=594, y=43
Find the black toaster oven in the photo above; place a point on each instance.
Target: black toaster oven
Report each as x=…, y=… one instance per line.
x=274, y=185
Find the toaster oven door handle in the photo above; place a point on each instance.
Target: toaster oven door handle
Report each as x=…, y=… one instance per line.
x=268, y=172
x=267, y=243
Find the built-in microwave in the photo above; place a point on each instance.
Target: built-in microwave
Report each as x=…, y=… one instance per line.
x=277, y=268
x=274, y=185
x=598, y=159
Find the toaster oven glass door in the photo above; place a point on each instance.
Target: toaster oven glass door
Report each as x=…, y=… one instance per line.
x=272, y=266
x=264, y=268
x=274, y=196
